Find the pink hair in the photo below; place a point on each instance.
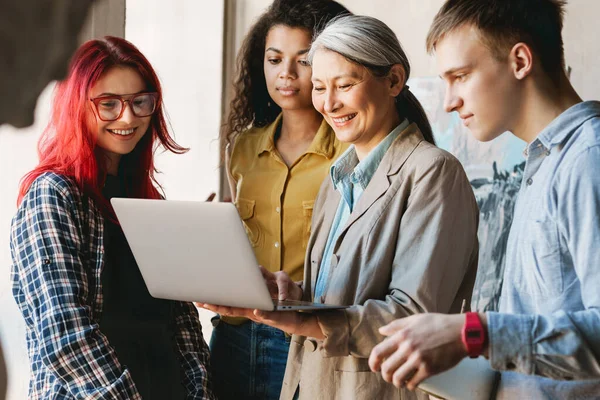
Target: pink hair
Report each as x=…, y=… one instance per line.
x=68, y=145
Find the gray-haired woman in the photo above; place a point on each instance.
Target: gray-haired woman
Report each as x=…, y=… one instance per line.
x=394, y=225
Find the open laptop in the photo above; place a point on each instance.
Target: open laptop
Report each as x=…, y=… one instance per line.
x=198, y=251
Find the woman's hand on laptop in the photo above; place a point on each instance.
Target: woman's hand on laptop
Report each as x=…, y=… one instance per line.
x=230, y=311
x=281, y=286
x=292, y=322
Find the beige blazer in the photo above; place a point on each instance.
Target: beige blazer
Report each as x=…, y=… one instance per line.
x=409, y=246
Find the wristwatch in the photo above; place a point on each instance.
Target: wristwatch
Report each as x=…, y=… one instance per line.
x=473, y=335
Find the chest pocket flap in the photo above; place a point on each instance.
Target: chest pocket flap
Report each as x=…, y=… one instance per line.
x=245, y=208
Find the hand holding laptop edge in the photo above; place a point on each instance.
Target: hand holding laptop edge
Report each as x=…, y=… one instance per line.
x=292, y=322
x=280, y=286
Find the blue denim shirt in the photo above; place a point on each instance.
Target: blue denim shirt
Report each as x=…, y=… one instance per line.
x=549, y=316
x=351, y=177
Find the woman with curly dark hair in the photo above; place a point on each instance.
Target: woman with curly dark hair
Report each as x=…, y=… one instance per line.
x=278, y=151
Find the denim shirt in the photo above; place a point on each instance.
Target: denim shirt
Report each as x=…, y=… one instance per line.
x=351, y=177
x=549, y=316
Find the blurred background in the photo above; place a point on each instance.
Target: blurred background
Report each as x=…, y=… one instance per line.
x=192, y=45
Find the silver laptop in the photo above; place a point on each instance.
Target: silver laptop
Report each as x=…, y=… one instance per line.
x=471, y=379
x=198, y=251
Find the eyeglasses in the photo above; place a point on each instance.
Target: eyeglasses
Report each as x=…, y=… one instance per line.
x=110, y=108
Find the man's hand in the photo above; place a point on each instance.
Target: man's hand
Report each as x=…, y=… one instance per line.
x=418, y=347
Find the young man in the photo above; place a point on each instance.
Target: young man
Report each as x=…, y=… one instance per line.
x=503, y=65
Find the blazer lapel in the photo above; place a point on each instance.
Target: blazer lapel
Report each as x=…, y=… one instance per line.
x=377, y=187
x=404, y=145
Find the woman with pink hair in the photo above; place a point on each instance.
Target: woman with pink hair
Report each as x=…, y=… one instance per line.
x=93, y=330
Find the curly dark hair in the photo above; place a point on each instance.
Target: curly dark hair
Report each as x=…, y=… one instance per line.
x=251, y=105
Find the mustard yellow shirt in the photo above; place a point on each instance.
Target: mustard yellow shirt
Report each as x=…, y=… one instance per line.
x=276, y=201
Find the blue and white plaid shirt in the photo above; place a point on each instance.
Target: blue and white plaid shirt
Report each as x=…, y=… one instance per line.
x=57, y=250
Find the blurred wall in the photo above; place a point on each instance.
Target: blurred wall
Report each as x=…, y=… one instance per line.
x=410, y=19
x=582, y=52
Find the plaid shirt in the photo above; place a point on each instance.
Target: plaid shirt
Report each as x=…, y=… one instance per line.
x=57, y=250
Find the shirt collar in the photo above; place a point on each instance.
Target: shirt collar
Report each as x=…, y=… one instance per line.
x=348, y=167
x=344, y=166
x=267, y=142
x=322, y=143
x=567, y=122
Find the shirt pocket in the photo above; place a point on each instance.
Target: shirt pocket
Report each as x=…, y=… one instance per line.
x=246, y=208
x=542, y=272
x=307, y=211
x=355, y=380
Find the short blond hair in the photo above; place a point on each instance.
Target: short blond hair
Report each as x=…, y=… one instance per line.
x=503, y=23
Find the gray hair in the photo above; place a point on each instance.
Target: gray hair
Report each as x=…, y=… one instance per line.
x=369, y=42
x=363, y=40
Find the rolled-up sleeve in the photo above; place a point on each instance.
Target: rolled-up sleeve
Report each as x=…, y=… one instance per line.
x=193, y=352
x=565, y=344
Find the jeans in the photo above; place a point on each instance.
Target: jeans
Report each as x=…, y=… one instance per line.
x=248, y=360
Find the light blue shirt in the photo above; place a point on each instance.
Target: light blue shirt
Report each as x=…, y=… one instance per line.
x=549, y=319
x=351, y=177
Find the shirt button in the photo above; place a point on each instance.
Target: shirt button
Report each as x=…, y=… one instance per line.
x=277, y=209
x=310, y=345
x=529, y=182
x=276, y=244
